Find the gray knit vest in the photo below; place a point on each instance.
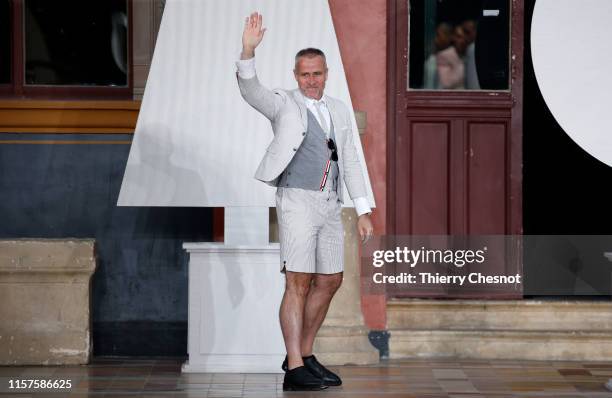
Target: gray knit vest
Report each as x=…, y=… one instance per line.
x=308, y=164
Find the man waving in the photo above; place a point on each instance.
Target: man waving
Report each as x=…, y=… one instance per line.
x=311, y=152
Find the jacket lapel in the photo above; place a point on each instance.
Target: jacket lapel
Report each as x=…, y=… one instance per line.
x=333, y=114
x=299, y=100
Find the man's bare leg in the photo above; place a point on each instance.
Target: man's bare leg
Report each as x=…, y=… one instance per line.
x=319, y=297
x=292, y=314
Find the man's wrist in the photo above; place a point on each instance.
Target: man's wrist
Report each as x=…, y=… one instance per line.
x=247, y=53
x=361, y=205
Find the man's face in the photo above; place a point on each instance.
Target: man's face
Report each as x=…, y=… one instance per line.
x=443, y=37
x=311, y=74
x=469, y=28
x=459, y=40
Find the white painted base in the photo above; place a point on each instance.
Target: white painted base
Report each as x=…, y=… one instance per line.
x=234, y=298
x=236, y=364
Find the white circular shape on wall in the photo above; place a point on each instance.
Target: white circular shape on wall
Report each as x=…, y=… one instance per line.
x=572, y=59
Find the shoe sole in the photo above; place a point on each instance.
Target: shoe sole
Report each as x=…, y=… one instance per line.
x=325, y=384
x=292, y=387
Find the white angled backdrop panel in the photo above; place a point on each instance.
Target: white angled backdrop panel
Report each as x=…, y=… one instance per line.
x=197, y=143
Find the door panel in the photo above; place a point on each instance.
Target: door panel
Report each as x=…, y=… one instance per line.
x=487, y=173
x=430, y=183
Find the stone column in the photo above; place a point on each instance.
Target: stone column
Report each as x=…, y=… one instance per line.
x=45, y=301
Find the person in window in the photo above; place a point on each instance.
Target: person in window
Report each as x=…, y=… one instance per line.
x=430, y=70
x=451, y=68
x=471, y=76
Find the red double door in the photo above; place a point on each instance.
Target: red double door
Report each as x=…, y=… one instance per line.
x=455, y=157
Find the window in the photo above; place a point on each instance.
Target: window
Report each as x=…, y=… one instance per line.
x=459, y=44
x=66, y=48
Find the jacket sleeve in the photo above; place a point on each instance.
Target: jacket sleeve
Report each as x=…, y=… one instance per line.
x=353, y=173
x=267, y=102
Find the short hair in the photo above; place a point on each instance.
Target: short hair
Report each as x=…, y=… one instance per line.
x=309, y=52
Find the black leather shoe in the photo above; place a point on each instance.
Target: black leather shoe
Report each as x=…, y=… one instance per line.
x=311, y=363
x=300, y=379
x=329, y=378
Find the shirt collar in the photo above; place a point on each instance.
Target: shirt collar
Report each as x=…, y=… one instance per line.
x=312, y=101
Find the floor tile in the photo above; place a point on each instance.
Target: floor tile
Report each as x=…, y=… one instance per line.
x=410, y=378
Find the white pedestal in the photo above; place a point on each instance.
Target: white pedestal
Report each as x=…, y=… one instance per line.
x=234, y=298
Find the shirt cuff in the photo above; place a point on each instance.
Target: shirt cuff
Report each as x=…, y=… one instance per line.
x=246, y=68
x=361, y=205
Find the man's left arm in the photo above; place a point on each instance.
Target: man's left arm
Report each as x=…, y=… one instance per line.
x=354, y=179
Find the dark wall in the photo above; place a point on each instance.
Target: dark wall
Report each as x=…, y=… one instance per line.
x=70, y=190
x=565, y=190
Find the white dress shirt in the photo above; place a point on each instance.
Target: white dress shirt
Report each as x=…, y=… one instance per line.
x=312, y=104
x=246, y=70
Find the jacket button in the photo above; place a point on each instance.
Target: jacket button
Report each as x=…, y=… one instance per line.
x=304, y=133
x=294, y=149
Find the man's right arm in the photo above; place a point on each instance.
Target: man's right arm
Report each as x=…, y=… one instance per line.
x=259, y=97
x=266, y=101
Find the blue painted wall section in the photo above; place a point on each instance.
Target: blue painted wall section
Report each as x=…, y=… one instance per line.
x=70, y=190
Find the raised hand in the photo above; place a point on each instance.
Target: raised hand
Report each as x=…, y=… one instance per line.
x=252, y=35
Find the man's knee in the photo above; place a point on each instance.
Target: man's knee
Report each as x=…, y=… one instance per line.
x=297, y=283
x=328, y=283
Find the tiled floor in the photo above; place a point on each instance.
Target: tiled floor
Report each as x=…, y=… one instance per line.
x=107, y=377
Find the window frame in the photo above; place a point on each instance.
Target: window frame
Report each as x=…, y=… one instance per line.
x=17, y=89
x=459, y=92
